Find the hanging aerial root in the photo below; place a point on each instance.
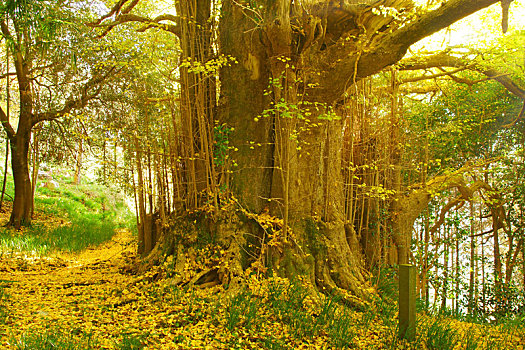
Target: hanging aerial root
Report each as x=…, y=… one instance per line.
x=505, y=4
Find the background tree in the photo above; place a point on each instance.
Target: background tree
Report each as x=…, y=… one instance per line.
x=41, y=41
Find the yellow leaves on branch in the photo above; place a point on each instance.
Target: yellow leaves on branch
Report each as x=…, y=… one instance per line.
x=210, y=67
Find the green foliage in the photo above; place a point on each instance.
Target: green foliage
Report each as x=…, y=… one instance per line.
x=513, y=323
x=39, y=240
x=4, y=313
x=131, y=341
x=292, y=305
x=242, y=309
x=341, y=329
x=53, y=338
x=210, y=67
x=438, y=335
x=221, y=133
x=37, y=16
x=272, y=343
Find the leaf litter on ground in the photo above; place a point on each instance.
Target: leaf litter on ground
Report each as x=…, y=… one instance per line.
x=89, y=300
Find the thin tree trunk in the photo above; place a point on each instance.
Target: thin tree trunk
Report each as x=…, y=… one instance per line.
x=78, y=168
x=457, y=275
x=512, y=257
x=104, y=161
x=6, y=164
x=444, y=292
x=161, y=188
x=150, y=183
x=8, y=115
x=140, y=194
x=115, y=168
x=483, y=287
x=498, y=273
x=426, y=217
x=472, y=261
x=523, y=264
x=36, y=165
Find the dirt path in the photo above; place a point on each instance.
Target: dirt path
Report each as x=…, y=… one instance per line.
x=76, y=291
x=91, y=295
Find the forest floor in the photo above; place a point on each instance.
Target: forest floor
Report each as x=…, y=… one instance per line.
x=91, y=300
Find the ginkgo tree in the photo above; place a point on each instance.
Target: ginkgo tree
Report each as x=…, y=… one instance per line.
x=43, y=39
x=293, y=66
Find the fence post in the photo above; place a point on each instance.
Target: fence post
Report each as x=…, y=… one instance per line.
x=407, y=302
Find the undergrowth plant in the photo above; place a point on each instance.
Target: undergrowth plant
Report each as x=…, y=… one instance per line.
x=438, y=335
x=4, y=314
x=52, y=339
x=293, y=305
x=242, y=309
x=131, y=341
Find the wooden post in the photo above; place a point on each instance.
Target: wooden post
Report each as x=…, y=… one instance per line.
x=407, y=302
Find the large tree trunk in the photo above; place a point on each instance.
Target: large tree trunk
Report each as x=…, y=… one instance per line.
x=23, y=201
x=299, y=180
x=286, y=160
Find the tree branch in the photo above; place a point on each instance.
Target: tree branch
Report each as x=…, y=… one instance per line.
x=333, y=83
x=444, y=59
x=148, y=23
x=520, y=117
x=115, y=10
x=86, y=94
x=433, y=76
x=453, y=204
x=7, y=126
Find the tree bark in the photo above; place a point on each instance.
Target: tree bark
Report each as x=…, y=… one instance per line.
x=299, y=180
x=35, y=166
x=302, y=180
x=139, y=190
x=78, y=163
x=22, y=203
x=472, y=272
x=4, y=182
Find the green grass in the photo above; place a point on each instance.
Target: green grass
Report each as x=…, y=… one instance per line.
x=287, y=302
x=131, y=341
x=51, y=339
x=90, y=213
x=4, y=313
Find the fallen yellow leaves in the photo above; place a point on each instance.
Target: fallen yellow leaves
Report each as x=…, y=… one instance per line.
x=90, y=296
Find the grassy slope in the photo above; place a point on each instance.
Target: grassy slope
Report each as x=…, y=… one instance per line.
x=67, y=218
